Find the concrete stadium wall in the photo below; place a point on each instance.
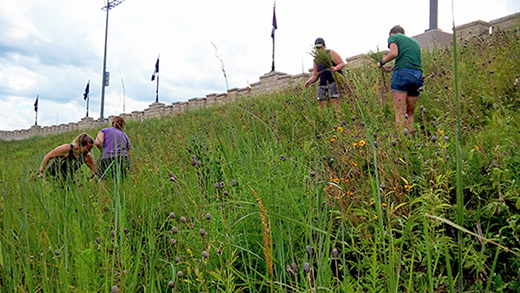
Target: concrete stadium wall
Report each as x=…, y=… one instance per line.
x=268, y=83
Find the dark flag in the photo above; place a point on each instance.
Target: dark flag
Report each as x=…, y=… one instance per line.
x=87, y=89
x=36, y=104
x=275, y=26
x=156, y=71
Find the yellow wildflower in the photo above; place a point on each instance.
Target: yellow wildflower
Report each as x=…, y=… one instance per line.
x=340, y=129
x=336, y=180
x=333, y=140
x=355, y=144
x=362, y=143
x=383, y=204
x=354, y=163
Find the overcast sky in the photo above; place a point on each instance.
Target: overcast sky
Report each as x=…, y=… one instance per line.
x=52, y=48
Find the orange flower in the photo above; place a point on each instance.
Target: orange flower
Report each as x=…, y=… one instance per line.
x=362, y=143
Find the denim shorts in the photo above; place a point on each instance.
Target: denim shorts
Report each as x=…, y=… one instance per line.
x=407, y=80
x=327, y=91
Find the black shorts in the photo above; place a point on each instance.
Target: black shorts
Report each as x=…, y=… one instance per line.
x=114, y=167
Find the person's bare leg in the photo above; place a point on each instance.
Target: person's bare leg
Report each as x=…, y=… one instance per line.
x=335, y=102
x=411, y=102
x=399, y=101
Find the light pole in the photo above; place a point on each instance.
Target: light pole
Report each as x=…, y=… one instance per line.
x=110, y=5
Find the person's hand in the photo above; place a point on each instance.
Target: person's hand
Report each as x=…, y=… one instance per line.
x=388, y=68
x=333, y=69
x=378, y=64
x=307, y=84
x=40, y=174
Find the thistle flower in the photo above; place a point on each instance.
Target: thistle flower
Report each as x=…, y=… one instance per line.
x=171, y=284
x=446, y=138
x=180, y=274
x=56, y=252
x=172, y=215
x=173, y=178
x=126, y=231
x=170, y=174
x=405, y=131
x=282, y=158
x=208, y=216
x=434, y=138
x=177, y=259
x=199, y=163
x=374, y=135
x=406, y=116
x=98, y=240
x=114, y=289
x=173, y=241
x=289, y=269
x=226, y=193
x=313, y=174
x=202, y=232
x=376, y=145
x=309, y=250
x=222, y=184
x=394, y=142
x=175, y=230
x=294, y=267
x=234, y=182
x=216, y=185
x=205, y=254
x=306, y=267
x=193, y=162
x=335, y=253
x=183, y=219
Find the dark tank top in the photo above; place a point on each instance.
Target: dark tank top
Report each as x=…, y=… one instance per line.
x=325, y=74
x=66, y=166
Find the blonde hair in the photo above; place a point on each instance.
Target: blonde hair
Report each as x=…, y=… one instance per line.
x=82, y=140
x=119, y=123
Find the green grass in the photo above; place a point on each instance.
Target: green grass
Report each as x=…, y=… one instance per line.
x=288, y=185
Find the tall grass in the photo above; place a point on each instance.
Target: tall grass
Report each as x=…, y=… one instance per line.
x=274, y=194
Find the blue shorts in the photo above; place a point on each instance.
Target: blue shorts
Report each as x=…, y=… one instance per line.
x=407, y=80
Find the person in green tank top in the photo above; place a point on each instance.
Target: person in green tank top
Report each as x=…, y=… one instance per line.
x=407, y=78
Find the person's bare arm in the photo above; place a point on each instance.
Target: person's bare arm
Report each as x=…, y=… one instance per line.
x=91, y=163
x=60, y=151
x=314, y=76
x=100, y=138
x=337, y=60
x=394, y=51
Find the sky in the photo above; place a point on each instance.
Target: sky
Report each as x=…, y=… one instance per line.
x=51, y=48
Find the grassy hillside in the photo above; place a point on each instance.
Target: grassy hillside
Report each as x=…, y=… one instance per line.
x=273, y=194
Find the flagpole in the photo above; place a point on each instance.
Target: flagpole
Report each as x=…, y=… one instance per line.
x=275, y=26
x=88, y=97
x=157, y=89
